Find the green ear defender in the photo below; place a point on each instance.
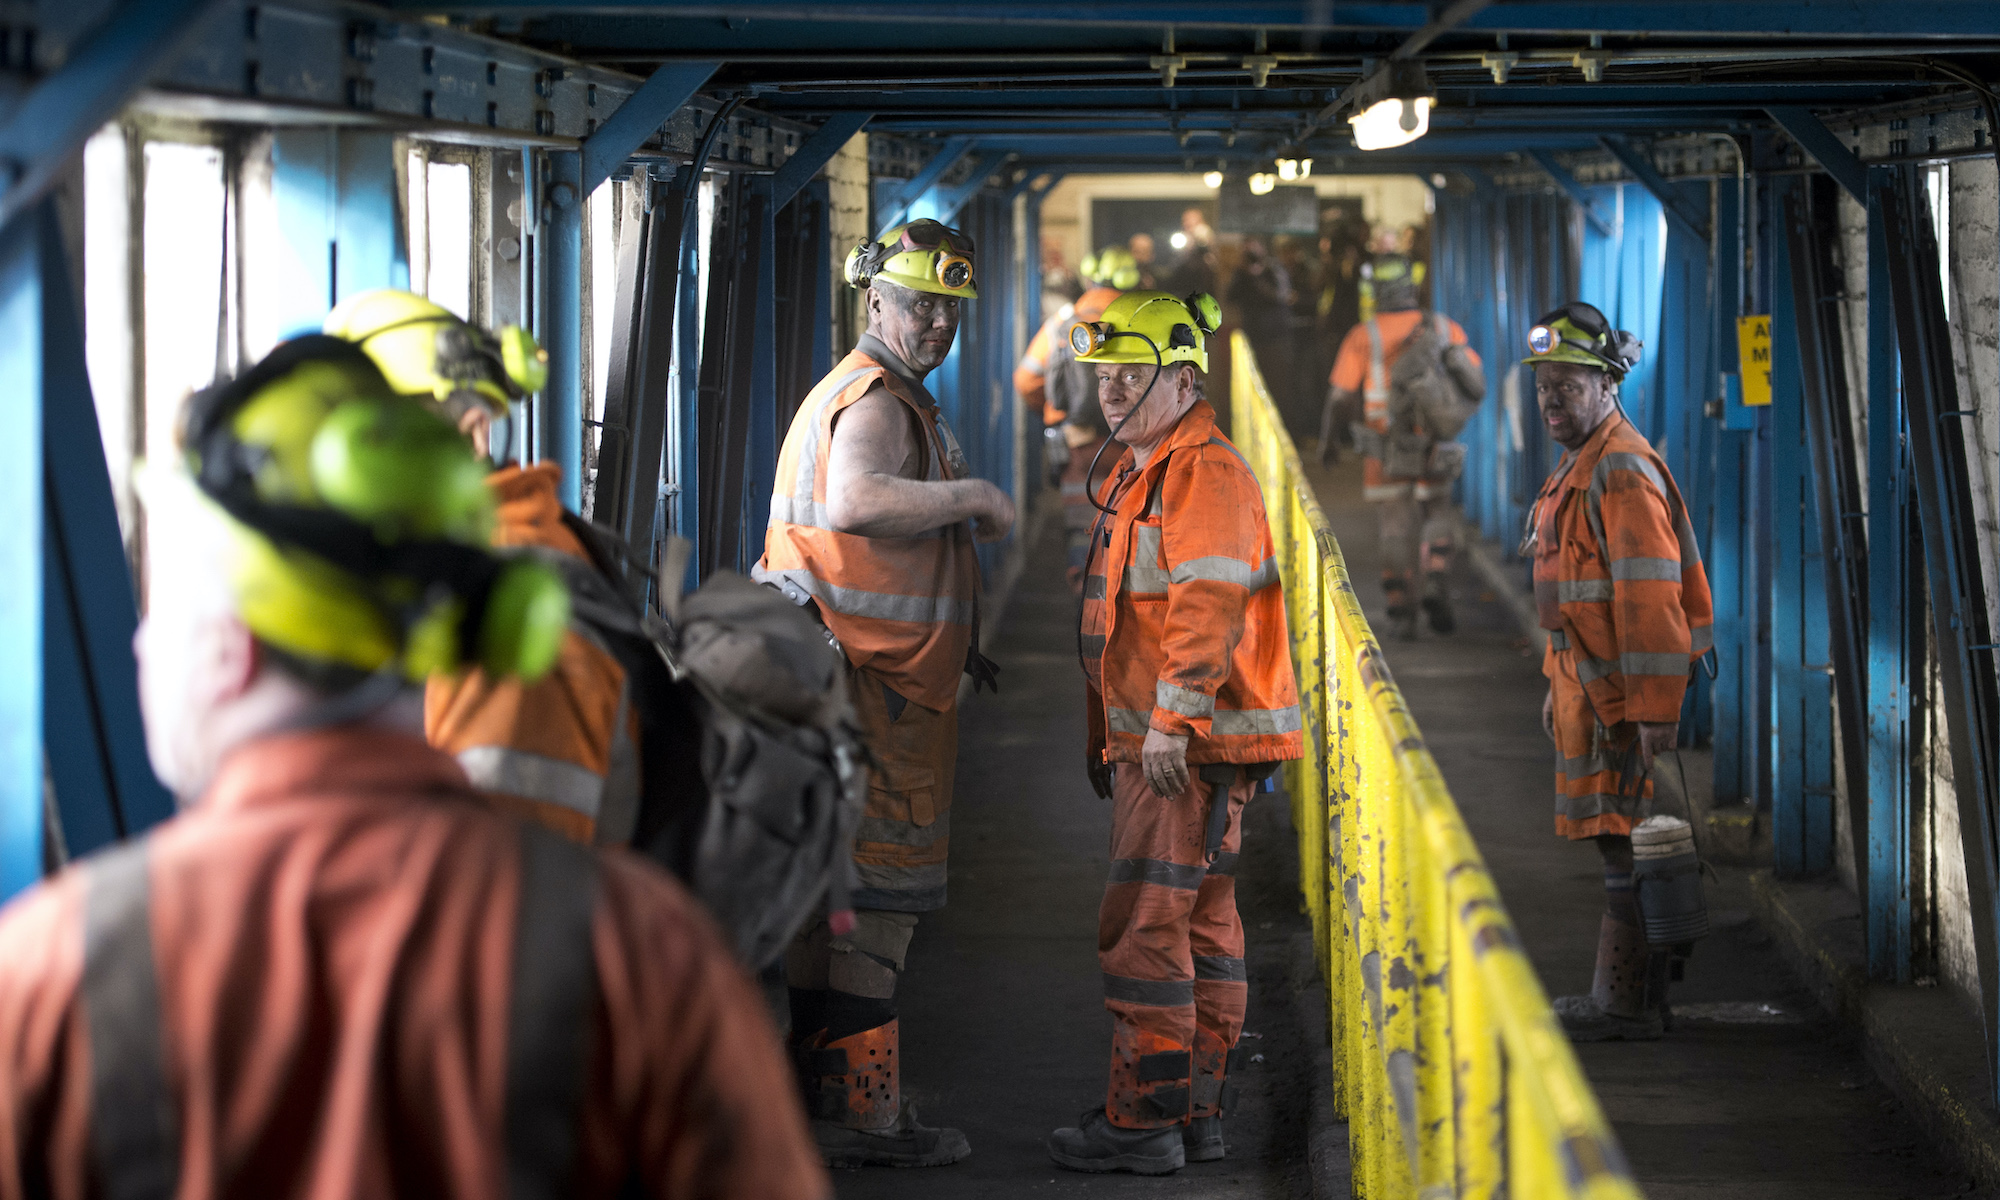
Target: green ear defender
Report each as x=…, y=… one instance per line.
x=360, y=518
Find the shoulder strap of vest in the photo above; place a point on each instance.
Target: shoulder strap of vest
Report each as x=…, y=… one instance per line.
x=549, y=1018
x=134, y=1126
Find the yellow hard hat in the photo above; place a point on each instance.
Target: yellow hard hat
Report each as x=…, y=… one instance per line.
x=1143, y=327
x=925, y=256
x=1579, y=333
x=424, y=349
x=357, y=521
x=1112, y=266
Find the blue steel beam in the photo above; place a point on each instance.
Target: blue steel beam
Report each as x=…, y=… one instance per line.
x=24, y=375
x=1827, y=150
x=791, y=23
x=1677, y=205
x=948, y=156
x=642, y=114
x=1574, y=190
x=814, y=153
x=51, y=122
x=560, y=247
x=950, y=202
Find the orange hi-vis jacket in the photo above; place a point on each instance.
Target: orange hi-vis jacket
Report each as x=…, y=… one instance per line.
x=1183, y=614
x=1619, y=583
x=1031, y=374
x=903, y=608
x=564, y=751
x=1366, y=356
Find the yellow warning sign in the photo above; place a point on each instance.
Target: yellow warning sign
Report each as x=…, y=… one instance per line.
x=1753, y=350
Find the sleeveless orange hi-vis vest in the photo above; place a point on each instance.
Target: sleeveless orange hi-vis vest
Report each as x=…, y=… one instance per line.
x=902, y=608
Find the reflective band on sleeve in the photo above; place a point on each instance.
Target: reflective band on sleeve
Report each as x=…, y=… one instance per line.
x=1160, y=993
x=1217, y=969
x=534, y=777
x=134, y=1123
x=1251, y=722
x=549, y=1014
x=1181, y=700
x=1128, y=720
x=1665, y=569
x=1157, y=871
x=1558, y=639
x=1701, y=639
x=883, y=606
x=1584, y=591
x=1220, y=568
x=1635, y=663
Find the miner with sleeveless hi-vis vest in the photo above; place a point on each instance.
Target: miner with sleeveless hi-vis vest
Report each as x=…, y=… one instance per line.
x=1192, y=705
x=873, y=520
x=338, y=972
x=1620, y=588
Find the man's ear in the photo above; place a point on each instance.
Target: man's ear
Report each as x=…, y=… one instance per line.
x=234, y=656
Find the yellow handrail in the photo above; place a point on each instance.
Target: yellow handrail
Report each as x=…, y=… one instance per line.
x=1453, y=1073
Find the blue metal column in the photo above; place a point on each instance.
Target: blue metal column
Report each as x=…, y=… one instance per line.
x=1889, y=650
x=686, y=414
x=1802, y=830
x=340, y=216
x=761, y=471
x=562, y=267
x=1730, y=564
x=24, y=374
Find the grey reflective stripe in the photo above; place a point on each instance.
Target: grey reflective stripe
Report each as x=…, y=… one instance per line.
x=1161, y=993
x=1218, y=969
x=1620, y=460
x=885, y=606
x=892, y=832
x=1253, y=721
x=1183, y=701
x=1156, y=870
x=1223, y=442
x=809, y=448
x=1701, y=639
x=1221, y=568
x=534, y=777
x=549, y=1023
x=1093, y=587
x=618, y=811
x=1127, y=720
x=1638, y=568
x=903, y=878
x=1634, y=663
x=1146, y=545
x=1558, y=639
x=134, y=1122
x=1590, y=670
x=1583, y=591
x=1145, y=580
x=1378, y=384
x=1589, y=764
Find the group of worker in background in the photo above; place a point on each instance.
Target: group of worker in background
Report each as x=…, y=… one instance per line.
x=418, y=929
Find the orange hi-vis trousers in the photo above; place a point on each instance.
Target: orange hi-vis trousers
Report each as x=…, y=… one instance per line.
x=1170, y=945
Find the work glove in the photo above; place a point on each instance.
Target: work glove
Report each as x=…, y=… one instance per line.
x=984, y=671
x=1100, y=775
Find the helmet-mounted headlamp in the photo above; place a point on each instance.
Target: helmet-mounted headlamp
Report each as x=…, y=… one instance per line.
x=926, y=255
x=1578, y=333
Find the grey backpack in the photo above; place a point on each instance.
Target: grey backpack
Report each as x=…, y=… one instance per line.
x=1433, y=386
x=752, y=768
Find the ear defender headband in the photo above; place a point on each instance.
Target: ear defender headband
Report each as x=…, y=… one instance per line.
x=1088, y=338
x=951, y=252
x=386, y=491
x=510, y=360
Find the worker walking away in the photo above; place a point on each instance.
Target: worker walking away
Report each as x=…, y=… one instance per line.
x=1414, y=382
x=1063, y=393
x=337, y=971
x=1619, y=586
x=873, y=520
x=1192, y=705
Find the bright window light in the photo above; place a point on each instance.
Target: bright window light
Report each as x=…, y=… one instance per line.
x=1391, y=122
x=183, y=282
x=1261, y=185
x=1212, y=180
x=1178, y=241
x=449, y=241
x=107, y=315
x=1937, y=181
x=603, y=291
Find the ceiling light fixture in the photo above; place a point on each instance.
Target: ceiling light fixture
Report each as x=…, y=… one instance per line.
x=1392, y=106
x=1212, y=180
x=1261, y=185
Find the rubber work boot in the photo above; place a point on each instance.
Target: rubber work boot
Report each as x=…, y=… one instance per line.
x=854, y=1095
x=1617, y=1008
x=1201, y=1139
x=1437, y=602
x=1095, y=1144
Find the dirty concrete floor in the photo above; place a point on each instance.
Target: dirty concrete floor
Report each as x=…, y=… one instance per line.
x=1771, y=1104
x=1004, y=1030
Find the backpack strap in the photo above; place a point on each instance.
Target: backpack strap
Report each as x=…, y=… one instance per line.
x=134, y=1125
x=549, y=1016
x=1378, y=376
